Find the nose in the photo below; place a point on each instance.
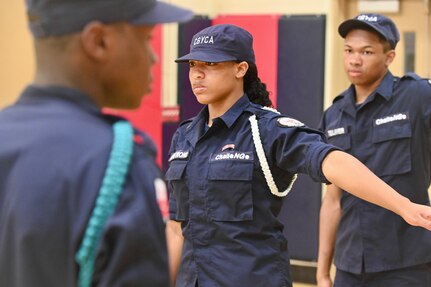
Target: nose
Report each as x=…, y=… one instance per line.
x=196, y=73
x=355, y=59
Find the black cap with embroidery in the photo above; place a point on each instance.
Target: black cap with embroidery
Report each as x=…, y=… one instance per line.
x=221, y=43
x=60, y=17
x=379, y=23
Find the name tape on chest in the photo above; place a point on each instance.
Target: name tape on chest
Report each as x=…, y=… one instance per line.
x=336, y=132
x=391, y=118
x=289, y=122
x=179, y=155
x=232, y=155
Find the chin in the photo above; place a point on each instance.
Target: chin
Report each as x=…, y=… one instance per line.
x=355, y=81
x=202, y=100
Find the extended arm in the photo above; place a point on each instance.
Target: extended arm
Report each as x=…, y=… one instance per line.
x=351, y=175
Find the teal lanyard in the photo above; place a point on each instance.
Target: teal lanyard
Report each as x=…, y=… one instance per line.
x=112, y=185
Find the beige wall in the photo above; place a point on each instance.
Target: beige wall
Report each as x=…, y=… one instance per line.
x=16, y=58
x=17, y=64
x=413, y=16
x=216, y=7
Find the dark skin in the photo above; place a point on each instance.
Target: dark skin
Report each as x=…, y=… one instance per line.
x=109, y=63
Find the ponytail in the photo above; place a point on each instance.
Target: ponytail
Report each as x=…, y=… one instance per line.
x=254, y=88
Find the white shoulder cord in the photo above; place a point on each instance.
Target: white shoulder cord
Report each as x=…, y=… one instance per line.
x=264, y=163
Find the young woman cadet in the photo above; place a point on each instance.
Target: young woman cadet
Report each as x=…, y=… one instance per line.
x=230, y=165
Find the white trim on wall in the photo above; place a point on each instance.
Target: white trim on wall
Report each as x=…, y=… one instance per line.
x=378, y=6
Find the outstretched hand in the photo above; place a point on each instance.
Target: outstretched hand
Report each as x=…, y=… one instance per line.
x=418, y=215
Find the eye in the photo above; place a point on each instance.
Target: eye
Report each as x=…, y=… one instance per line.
x=192, y=64
x=210, y=63
x=367, y=52
x=347, y=50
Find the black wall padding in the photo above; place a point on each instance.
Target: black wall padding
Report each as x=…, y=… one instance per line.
x=186, y=99
x=300, y=82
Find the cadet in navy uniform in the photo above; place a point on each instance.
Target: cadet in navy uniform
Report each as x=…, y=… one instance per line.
x=385, y=122
x=231, y=165
x=55, y=144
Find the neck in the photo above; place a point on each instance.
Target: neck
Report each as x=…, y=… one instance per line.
x=364, y=91
x=70, y=76
x=217, y=109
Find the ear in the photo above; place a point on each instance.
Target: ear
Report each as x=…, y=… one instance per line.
x=94, y=40
x=241, y=69
x=390, y=56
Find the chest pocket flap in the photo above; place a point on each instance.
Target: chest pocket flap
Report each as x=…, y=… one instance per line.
x=175, y=170
x=392, y=150
x=392, y=131
x=174, y=176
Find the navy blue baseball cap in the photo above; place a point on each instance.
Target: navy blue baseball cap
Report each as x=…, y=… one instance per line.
x=60, y=17
x=379, y=23
x=221, y=43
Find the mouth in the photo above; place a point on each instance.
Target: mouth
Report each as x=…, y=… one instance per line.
x=198, y=89
x=354, y=73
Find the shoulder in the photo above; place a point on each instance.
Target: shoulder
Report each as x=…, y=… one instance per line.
x=181, y=131
x=413, y=87
x=183, y=128
x=416, y=79
x=144, y=143
x=186, y=123
x=346, y=93
x=273, y=118
x=411, y=76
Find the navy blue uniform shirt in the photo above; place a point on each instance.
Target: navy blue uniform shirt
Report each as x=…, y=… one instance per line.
x=54, y=149
x=232, y=236
x=390, y=133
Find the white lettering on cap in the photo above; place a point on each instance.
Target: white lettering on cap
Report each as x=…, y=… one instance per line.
x=203, y=40
x=367, y=18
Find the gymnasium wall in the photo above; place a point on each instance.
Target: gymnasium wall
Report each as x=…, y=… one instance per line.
x=292, y=66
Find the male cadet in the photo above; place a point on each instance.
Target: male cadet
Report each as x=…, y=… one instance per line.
x=385, y=122
x=55, y=145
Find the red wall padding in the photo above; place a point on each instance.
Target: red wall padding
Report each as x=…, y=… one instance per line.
x=264, y=29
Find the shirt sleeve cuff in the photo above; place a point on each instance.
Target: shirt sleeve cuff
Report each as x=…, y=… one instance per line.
x=318, y=152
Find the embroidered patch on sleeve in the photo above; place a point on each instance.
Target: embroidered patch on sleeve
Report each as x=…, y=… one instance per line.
x=289, y=122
